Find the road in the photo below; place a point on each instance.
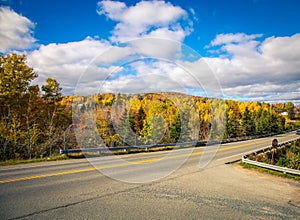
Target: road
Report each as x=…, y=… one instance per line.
x=189, y=183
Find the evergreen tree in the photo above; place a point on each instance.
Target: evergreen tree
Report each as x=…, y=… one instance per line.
x=248, y=123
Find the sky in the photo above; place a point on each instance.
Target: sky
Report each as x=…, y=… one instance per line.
x=247, y=50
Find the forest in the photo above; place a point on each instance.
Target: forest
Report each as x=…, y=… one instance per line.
x=38, y=121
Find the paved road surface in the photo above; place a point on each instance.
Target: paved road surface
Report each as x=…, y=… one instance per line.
x=198, y=189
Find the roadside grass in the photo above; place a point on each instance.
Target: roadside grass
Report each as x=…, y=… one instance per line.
x=272, y=172
x=15, y=162
x=82, y=155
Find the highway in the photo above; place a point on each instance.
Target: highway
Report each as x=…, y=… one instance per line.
x=190, y=183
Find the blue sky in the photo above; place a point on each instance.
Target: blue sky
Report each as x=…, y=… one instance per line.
x=60, y=21
x=251, y=46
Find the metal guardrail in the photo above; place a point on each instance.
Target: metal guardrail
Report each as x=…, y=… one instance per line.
x=182, y=145
x=270, y=166
x=245, y=138
x=143, y=147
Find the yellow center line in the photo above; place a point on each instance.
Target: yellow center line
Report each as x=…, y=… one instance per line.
x=46, y=175
x=61, y=173
x=146, y=161
x=119, y=165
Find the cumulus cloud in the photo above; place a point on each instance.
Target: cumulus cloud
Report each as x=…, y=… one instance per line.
x=146, y=18
x=68, y=61
x=141, y=69
x=148, y=75
x=255, y=69
x=157, y=48
x=233, y=38
x=282, y=48
x=79, y=66
x=16, y=31
x=153, y=71
x=84, y=65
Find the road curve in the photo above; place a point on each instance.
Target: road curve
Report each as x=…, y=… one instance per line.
x=150, y=186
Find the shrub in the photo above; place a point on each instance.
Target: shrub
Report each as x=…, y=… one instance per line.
x=287, y=156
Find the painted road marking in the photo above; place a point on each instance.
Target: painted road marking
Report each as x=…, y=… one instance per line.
x=120, y=165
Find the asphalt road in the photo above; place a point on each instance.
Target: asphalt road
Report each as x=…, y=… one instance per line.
x=180, y=184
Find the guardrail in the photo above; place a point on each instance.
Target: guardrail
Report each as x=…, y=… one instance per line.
x=245, y=138
x=270, y=166
x=185, y=144
x=143, y=147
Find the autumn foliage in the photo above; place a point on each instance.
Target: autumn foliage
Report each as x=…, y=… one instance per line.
x=37, y=122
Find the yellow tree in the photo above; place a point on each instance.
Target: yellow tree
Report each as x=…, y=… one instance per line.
x=15, y=79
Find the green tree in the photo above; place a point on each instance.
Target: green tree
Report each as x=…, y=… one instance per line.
x=124, y=130
x=153, y=130
x=52, y=95
x=248, y=124
x=233, y=118
x=15, y=78
x=232, y=125
x=175, y=129
x=136, y=120
x=289, y=108
x=52, y=90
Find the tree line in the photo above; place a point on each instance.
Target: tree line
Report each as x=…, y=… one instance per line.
x=37, y=122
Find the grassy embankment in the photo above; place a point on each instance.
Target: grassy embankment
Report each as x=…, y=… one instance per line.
x=272, y=172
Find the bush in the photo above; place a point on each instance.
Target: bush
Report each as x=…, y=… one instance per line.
x=287, y=156
x=283, y=162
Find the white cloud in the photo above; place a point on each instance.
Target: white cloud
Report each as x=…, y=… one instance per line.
x=233, y=38
x=201, y=76
x=283, y=97
x=254, y=70
x=16, y=31
x=112, y=9
x=79, y=66
x=257, y=70
x=146, y=18
x=148, y=76
x=157, y=75
x=157, y=48
x=282, y=48
x=84, y=66
x=67, y=62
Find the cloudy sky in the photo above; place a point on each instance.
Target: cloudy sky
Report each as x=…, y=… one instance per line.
x=247, y=50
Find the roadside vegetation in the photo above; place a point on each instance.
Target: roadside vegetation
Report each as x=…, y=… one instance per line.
x=36, y=122
x=285, y=156
x=18, y=161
